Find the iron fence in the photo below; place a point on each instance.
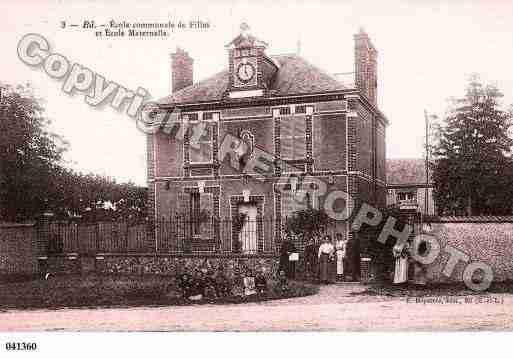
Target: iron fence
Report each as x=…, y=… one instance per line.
x=170, y=235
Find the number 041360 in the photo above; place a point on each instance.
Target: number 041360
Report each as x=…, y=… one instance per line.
x=21, y=346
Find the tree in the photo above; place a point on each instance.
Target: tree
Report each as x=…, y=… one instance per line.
x=34, y=178
x=96, y=198
x=308, y=223
x=380, y=253
x=472, y=154
x=29, y=154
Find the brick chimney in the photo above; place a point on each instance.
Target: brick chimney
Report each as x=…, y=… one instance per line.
x=181, y=70
x=366, y=67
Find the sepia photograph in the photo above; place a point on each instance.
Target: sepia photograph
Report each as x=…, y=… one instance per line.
x=184, y=171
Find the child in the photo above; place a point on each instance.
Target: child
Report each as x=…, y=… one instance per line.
x=184, y=283
x=282, y=281
x=249, y=284
x=261, y=282
x=222, y=286
x=197, y=286
x=210, y=285
x=238, y=284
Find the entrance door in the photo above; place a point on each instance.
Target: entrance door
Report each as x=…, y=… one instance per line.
x=248, y=234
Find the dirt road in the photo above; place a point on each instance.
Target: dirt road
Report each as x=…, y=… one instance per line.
x=334, y=308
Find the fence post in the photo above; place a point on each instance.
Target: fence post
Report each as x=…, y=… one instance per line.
x=150, y=233
x=43, y=233
x=127, y=233
x=42, y=240
x=176, y=233
x=97, y=237
x=170, y=233
x=155, y=235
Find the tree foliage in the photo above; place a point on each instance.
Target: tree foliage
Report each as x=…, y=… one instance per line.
x=33, y=175
x=308, y=223
x=380, y=253
x=472, y=154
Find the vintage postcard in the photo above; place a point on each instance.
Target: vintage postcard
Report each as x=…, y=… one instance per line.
x=245, y=166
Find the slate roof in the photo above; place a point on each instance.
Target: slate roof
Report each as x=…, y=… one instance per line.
x=406, y=171
x=295, y=76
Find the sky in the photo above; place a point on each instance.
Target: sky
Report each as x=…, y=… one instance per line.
x=427, y=50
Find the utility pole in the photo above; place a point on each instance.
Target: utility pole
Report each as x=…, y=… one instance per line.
x=426, y=190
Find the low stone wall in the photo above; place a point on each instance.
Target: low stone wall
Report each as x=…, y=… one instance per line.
x=160, y=264
x=491, y=243
x=17, y=250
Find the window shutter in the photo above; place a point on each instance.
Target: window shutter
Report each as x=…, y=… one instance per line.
x=286, y=126
x=206, y=152
x=201, y=151
x=184, y=212
x=285, y=204
x=286, y=132
x=207, y=204
x=293, y=137
x=287, y=149
x=207, y=211
x=184, y=205
x=195, y=155
x=299, y=137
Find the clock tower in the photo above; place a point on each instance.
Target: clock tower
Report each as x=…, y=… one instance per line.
x=250, y=68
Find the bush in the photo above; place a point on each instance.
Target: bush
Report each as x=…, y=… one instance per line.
x=308, y=223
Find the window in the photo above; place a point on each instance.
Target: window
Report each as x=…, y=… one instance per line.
x=284, y=111
x=293, y=137
x=190, y=117
x=406, y=196
x=210, y=116
x=248, y=139
x=200, y=142
x=198, y=209
x=301, y=109
x=195, y=211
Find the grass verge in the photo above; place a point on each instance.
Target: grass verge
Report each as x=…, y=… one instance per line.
x=77, y=291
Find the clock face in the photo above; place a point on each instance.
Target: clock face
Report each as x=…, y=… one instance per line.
x=245, y=72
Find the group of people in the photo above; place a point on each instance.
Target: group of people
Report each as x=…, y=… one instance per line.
x=207, y=284
x=330, y=254
x=324, y=258
x=402, y=252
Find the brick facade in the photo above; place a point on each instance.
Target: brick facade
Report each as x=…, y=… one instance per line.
x=181, y=70
x=344, y=136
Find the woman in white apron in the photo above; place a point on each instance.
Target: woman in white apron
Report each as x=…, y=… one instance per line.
x=340, y=248
x=400, y=251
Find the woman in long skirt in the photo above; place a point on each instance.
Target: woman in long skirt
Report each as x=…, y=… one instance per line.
x=401, y=263
x=340, y=250
x=326, y=250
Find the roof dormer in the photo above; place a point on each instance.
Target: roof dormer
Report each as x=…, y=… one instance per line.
x=250, y=70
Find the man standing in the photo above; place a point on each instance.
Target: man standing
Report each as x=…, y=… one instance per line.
x=287, y=248
x=311, y=260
